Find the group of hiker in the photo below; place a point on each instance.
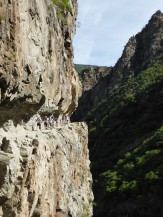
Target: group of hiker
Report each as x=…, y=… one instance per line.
x=46, y=122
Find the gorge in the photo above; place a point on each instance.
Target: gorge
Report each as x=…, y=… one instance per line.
x=124, y=112
x=48, y=172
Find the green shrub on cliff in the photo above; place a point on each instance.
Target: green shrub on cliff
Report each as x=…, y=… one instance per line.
x=143, y=165
x=129, y=93
x=125, y=143
x=112, y=180
x=1, y=18
x=126, y=186
x=136, y=85
x=150, y=176
x=62, y=4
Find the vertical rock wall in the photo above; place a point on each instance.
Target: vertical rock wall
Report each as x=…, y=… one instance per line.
x=42, y=172
x=36, y=63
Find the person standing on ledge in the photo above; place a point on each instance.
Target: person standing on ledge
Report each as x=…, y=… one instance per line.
x=51, y=121
x=38, y=122
x=67, y=120
x=46, y=124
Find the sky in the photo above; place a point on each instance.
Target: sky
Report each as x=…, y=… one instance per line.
x=106, y=26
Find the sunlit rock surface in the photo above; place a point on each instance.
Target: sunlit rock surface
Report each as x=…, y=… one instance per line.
x=45, y=172
x=42, y=172
x=36, y=54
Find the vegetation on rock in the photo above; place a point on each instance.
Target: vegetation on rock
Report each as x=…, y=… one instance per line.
x=143, y=165
x=1, y=18
x=62, y=6
x=80, y=67
x=130, y=132
x=126, y=130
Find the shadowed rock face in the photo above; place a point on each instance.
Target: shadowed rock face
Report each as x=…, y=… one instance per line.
x=91, y=76
x=141, y=51
x=36, y=70
x=94, y=80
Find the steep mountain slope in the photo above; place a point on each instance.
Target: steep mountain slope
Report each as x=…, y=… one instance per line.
x=92, y=75
x=141, y=52
x=125, y=129
x=44, y=172
x=90, y=78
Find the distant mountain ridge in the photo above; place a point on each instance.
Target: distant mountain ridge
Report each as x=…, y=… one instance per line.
x=141, y=52
x=80, y=67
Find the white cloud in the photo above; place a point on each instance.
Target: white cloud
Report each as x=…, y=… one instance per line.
x=106, y=27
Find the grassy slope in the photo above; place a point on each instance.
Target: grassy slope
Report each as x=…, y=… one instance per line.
x=126, y=142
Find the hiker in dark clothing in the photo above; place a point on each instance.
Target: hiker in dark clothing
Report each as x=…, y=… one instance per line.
x=39, y=121
x=46, y=124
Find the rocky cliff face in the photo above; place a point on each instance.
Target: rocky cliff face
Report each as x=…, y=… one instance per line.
x=43, y=172
x=36, y=69
x=141, y=52
x=92, y=75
